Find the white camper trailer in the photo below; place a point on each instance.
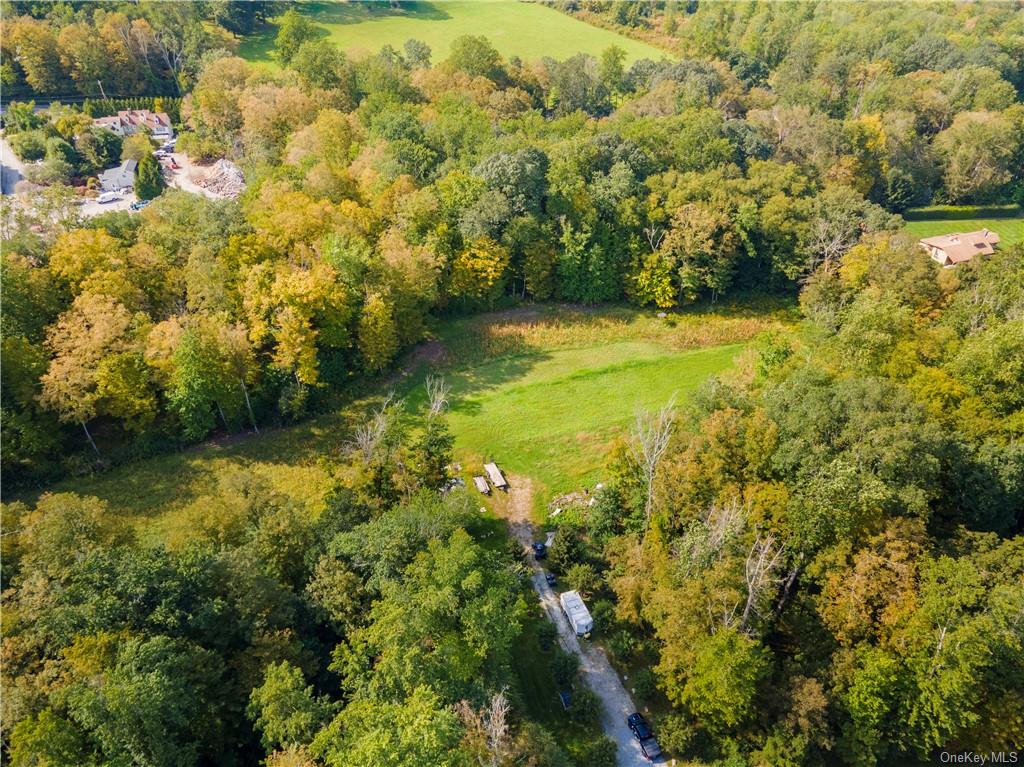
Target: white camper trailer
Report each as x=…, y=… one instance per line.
x=577, y=613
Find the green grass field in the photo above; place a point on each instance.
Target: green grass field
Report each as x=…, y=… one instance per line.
x=1006, y=221
x=515, y=28
x=552, y=418
x=542, y=390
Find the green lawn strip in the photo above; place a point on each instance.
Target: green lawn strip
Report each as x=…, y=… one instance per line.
x=1006, y=221
x=527, y=30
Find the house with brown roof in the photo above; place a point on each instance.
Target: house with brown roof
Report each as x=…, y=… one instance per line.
x=952, y=249
x=130, y=121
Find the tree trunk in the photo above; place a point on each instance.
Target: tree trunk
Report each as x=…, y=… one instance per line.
x=787, y=588
x=89, y=437
x=248, y=404
x=222, y=418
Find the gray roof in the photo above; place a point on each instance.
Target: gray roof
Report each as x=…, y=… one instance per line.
x=121, y=177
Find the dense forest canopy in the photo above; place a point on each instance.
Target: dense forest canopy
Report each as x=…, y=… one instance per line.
x=838, y=528
x=824, y=565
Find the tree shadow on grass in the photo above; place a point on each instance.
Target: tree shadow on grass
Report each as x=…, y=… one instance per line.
x=144, y=489
x=468, y=383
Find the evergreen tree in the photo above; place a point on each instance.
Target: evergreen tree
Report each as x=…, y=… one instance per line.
x=149, y=182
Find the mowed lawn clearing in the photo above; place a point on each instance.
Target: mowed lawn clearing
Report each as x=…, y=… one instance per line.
x=554, y=417
x=1006, y=221
x=527, y=30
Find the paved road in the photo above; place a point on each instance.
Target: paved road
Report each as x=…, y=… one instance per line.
x=11, y=169
x=595, y=668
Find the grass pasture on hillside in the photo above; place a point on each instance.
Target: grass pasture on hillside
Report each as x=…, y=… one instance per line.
x=515, y=28
x=1007, y=221
x=541, y=390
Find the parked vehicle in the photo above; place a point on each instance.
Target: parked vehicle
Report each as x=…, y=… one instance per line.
x=550, y=578
x=106, y=197
x=138, y=205
x=641, y=730
x=650, y=749
x=540, y=551
x=577, y=613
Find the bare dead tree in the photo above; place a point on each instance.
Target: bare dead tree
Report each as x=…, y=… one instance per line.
x=704, y=541
x=762, y=561
x=830, y=238
x=723, y=521
x=789, y=582
x=937, y=662
x=497, y=727
x=655, y=234
x=488, y=729
x=370, y=436
x=651, y=435
x=437, y=395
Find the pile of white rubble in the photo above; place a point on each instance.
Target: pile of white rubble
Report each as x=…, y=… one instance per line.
x=224, y=179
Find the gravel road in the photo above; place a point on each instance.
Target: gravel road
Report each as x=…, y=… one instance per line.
x=595, y=669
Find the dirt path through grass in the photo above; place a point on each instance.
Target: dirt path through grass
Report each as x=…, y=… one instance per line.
x=595, y=669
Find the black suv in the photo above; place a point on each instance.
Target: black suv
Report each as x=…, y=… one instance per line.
x=650, y=749
x=540, y=551
x=637, y=723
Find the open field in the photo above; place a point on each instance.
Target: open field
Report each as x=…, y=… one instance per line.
x=516, y=29
x=553, y=418
x=541, y=390
x=1007, y=221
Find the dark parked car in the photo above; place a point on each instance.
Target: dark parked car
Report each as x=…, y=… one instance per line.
x=637, y=723
x=550, y=578
x=540, y=551
x=650, y=749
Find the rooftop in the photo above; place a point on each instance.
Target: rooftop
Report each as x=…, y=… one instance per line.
x=963, y=247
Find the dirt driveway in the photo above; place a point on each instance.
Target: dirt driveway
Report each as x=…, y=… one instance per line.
x=184, y=176
x=595, y=669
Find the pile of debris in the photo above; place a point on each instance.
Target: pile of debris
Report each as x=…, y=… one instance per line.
x=578, y=499
x=224, y=179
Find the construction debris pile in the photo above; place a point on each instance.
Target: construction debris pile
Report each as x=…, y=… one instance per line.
x=224, y=179
x=578, y=499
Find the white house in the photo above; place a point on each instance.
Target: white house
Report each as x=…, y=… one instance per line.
x=952, y=249
x=119, y=179
x=130, y=121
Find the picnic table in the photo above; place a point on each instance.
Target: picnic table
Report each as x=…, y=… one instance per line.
x=495, y=475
